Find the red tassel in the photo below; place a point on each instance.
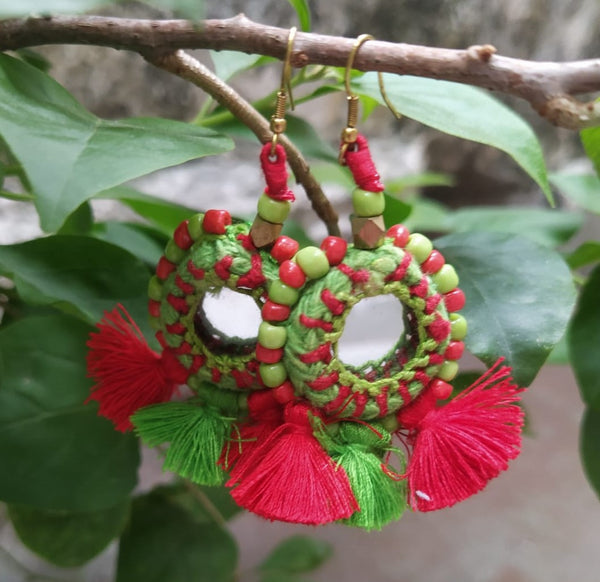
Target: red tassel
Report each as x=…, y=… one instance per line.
x=128, y=374
x=458, y=448
x=290, y=477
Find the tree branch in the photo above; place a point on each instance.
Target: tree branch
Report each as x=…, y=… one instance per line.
x=185, y=66
x=548, y=86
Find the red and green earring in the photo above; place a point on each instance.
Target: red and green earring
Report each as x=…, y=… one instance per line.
x=208, y=253
x=326, y=456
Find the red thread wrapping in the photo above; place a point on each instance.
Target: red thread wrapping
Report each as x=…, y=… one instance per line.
x=275, y=172
x=312, y=322
x=458, y=448
x=324, y=382
x=400, y=271
x=360, y=276
x=187, y=288
x=359, y=160
x=222, y=267
x=335, y=305
x=254, y=277
x=178, y=303
x=195, y=271
x=320, y=354
x=128, y=375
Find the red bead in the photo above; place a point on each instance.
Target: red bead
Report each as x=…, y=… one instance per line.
x=441, y=390
x=284, y=249
x=454, y=351
x=215, y=221
x=284, y=393
x=400, y=234
x=292, y=274
x=433, y=263
x=334, y=248
x=272, y=311
x=268, y=356
x=164, y=268
x=154, y=308
x=182, y=237
x=455, y=300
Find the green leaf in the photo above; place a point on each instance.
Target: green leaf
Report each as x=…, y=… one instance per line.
x=80, y=275
x=519, y=297
x=584, y=340
x=427, y=215
x=296, y=554
x=591, y=143
x=583, y=189
x=164, y=215
x=169, y=540
x=229, y=63
x=68, y=539
x=396, y=211
x=420, y=180
x=465, y=112
x=56, y=452
x=584, y=254
x=303, y=12
x=26, y=7
x=79, y=222
x=69, y=155
x=547, y=227
x=589, y=447
x=134, y=238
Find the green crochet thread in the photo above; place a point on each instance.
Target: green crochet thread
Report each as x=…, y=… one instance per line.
x=377, y=388
x=360, y=449
x=196, y=431
x=210, y=264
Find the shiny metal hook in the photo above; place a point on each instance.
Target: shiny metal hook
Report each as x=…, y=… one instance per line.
x=350, y=133
x=278, y=123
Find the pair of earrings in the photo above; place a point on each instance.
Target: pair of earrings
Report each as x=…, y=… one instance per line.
x=297, y=434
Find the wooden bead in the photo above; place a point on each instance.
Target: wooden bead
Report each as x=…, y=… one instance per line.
x=264, y=233
x=367, y=232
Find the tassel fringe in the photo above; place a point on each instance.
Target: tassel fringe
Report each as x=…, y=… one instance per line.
x=458, y=448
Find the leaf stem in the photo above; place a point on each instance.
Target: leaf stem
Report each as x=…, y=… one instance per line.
x=206, y=503
x=17, y=197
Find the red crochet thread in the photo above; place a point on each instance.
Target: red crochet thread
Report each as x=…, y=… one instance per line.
x=359, y=160
x=290, y=477
x=458, y=448
x=128, y=374
x=275, y=172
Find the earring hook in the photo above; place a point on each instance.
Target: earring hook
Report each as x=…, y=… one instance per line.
x=278, y=123
x=350, y=133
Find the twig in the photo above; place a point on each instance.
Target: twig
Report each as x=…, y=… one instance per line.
x=183, y=65
x=206, y=503
x=548, y=86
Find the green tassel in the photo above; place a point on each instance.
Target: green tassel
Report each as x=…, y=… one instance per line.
x=196, y=431
x=359, y=449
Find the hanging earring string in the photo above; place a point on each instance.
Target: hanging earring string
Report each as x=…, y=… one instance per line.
x=350, y=133
x=278, y=123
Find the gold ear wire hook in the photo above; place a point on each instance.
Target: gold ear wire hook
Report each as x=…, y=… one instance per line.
x=278, y=122
x=350, y=133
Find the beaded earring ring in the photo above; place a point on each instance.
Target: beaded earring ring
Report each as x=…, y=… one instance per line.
x=208, y=253
x=325, y=454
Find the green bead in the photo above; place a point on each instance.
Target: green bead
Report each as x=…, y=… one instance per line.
x=155, y=323
x=419, y=246
x=271, y=336
x=155, y=288
x=281, y=293
x=173, y=252
x=273, y=375
x=367, y=203
x=313, y=261
x=243, y=402
x=195, y=226
x=390, y=423
x=448, y=371
x=271, y=210
x=445, y=279
x=458, y=329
